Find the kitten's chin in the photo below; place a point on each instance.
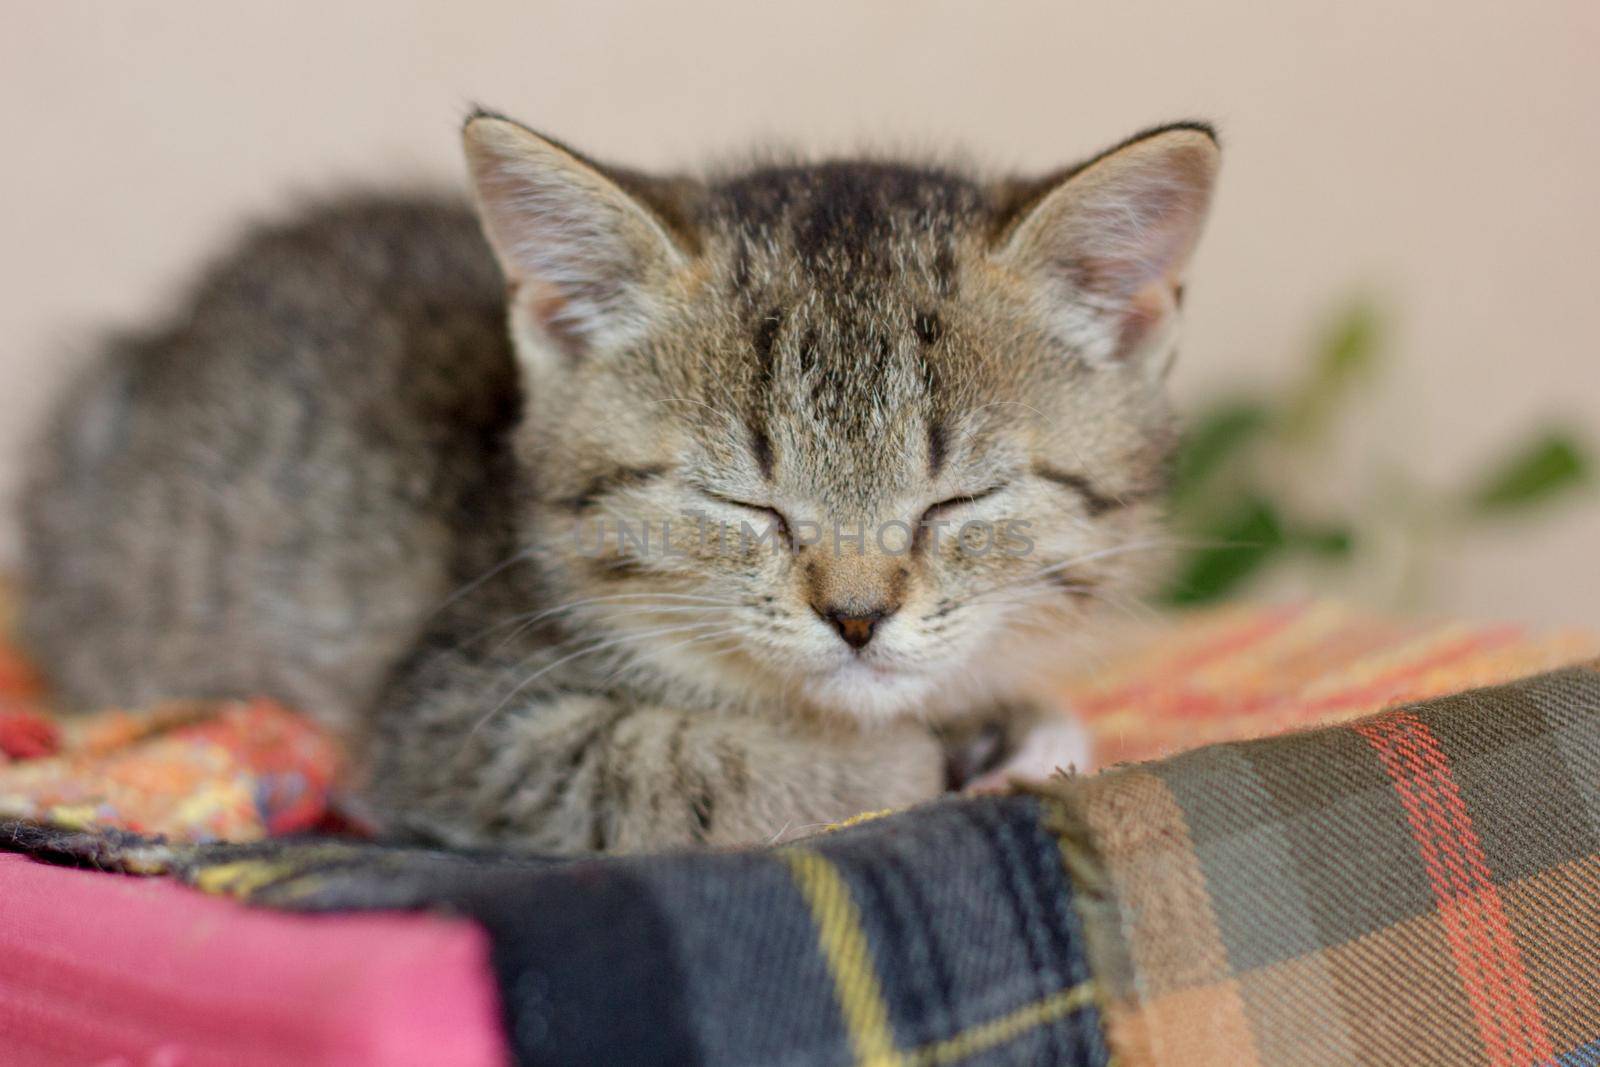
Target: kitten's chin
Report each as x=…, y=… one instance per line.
x=868, y=693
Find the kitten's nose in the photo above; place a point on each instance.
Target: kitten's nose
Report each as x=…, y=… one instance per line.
x=855, y=627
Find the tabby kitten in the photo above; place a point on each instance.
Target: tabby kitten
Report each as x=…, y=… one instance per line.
x=689, y=557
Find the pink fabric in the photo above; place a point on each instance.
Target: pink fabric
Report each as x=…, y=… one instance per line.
x=114, y=970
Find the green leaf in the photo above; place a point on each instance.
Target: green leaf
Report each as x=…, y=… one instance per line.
x=1540, y=470
x=1213, y=439
x=1347, y=353
x=1350, y=349
x=1239, y=544
x=1329, y=542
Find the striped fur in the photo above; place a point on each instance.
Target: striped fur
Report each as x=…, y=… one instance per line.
x=335, y=479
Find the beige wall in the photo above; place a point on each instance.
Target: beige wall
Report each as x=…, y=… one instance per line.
x=1446, y=155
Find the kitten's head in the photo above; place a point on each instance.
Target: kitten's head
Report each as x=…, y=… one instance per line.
x=847, y=433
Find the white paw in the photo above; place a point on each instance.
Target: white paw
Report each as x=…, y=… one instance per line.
x=1058, y=745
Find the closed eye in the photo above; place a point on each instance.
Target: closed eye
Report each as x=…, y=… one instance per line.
x=1096, y=502
x=945, y=507
x=768, y=510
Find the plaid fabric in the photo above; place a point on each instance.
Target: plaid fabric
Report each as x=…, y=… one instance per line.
x=1422, y=887
x=942, y=936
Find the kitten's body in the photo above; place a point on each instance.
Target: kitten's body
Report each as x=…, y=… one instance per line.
x=270, y=492
x=315, y=483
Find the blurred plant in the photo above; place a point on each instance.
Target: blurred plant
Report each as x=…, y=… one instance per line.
x=1235, y=501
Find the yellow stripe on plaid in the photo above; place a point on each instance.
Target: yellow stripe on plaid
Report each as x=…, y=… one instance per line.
x=996, y=1032
x=857, y=820
x=242, y=877
x=861, y=1002
x=844, y=946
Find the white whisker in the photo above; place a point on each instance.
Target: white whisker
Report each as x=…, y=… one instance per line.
x=516, y=557
x=587, y=650
x=531, y=618
x=1088, y=557
x=713, y=636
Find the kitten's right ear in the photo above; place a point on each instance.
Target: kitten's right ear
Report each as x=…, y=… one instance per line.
x=583, y=257
x=1108, y=243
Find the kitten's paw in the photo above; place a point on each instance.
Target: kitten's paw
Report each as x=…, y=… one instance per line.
x=1057, y=743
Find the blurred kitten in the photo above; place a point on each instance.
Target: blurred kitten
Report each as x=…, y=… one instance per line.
x=689, y=557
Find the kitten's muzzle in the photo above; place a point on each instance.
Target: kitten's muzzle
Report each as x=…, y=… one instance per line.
x=855, y=628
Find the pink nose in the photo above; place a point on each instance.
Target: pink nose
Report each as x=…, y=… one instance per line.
x=855, y=628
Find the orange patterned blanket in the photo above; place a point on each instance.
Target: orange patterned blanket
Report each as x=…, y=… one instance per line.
x=1242, y=672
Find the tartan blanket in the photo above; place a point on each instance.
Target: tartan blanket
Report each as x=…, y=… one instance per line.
x=1421, y=886
x=1418, y=886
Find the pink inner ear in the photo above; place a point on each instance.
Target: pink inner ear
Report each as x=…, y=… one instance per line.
x=1130, y=223
x=551, y=307
x=1147, y=247
x=1147, y=307
x=1138, y=291
x=547, y=304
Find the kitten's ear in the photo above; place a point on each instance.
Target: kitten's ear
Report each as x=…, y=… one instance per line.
x=1108, y=243
x=583, y=257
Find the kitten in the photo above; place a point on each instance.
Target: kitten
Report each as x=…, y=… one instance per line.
x=691, y=557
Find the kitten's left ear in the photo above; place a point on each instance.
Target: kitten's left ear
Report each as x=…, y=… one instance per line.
x=585, y=257
x=1107, y=244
